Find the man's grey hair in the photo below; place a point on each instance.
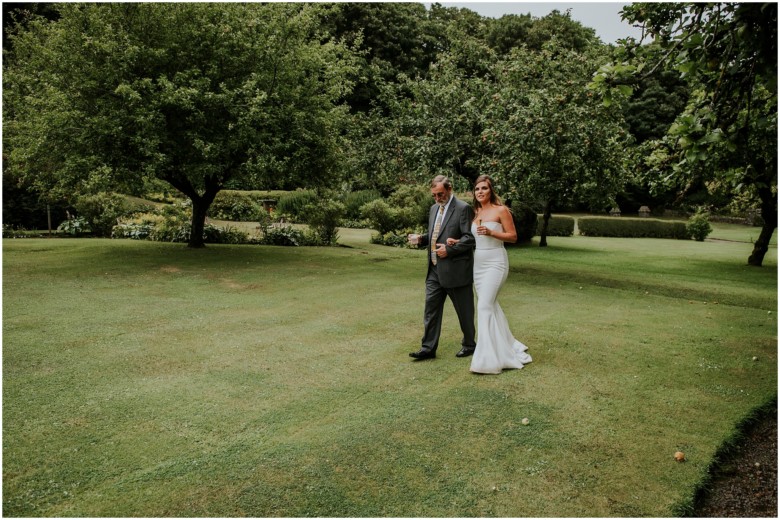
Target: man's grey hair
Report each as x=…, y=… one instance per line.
x=442, y=179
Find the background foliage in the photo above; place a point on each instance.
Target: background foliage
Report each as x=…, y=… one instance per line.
x=376, y=96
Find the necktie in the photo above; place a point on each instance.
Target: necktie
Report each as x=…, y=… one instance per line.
x=436, y=229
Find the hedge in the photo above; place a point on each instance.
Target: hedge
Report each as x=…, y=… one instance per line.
x=240, y=206
x=632, y=227
x=293, y=204
x=558, y=226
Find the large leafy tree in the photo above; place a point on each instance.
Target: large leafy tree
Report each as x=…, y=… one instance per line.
x=727, y=135
x=525, y=118
x=431, y=125
x=197, y=95
x=550, y=141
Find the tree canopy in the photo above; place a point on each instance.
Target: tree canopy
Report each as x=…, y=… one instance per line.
x=727, y=134
x=101, y=97
x=197, y=95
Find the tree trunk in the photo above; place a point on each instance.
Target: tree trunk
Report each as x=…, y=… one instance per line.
x=761, y=246
x=200, y=208
x=545, y=223
x=769, y=214
x=200, y=203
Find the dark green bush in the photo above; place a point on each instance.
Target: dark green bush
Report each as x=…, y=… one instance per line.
x=413, y=203
x=699, y=226
x=284, y=236
x=558, y=226
x=324, y=217
x=395, y=238
x=238, y=206
x=632, y=227
x=102, y=211
x=381, y=216
x=293, y=204
x=354, y=200
x=226, y=235
x=407, y=208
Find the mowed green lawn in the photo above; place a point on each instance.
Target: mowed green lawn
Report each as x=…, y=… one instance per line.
x=148, y=379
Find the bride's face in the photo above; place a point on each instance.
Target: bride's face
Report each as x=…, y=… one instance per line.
x=482, y=192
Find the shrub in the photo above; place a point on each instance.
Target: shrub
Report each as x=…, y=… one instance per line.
x=227, y=235
x=354, y=200
x=632, y=227
x=324, y=217
x=698, y=226
x=396, y=238
x=284, y=236
x=11, y=232
x=75, y=226
x=558, y=226
x=174, y=225
x=355, y=224
x=407, y=208
x=264, y=222
x=380, y=216
x=132, y=230
x=235, y=205
x=293, y=204
x=413, y=203
x=102, y=211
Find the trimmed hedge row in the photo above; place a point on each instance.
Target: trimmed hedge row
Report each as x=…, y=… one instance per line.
x=632, y=227
x=558, y=226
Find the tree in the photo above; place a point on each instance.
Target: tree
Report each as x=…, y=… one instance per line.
x=727, y=134
x=507, y=32
x=654, y=105
x=393, y=39
x=429, y=125
x=197, y=95
x=550, y=140
x=568, y=33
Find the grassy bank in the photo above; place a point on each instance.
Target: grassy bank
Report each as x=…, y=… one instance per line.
x=147, y=379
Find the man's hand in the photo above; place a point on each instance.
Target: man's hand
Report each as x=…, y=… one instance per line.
x=441, y=250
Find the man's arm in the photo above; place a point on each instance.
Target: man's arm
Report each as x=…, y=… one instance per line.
x=466, y=242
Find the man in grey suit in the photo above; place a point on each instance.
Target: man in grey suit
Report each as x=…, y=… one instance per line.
x=450, y=268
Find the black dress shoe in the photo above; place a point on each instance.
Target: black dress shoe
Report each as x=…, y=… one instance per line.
x=423, y=354
x=465, y=351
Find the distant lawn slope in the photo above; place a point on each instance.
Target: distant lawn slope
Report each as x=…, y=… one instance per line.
x=149, y=379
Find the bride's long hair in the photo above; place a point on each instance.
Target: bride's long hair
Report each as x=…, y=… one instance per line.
x=494, y=199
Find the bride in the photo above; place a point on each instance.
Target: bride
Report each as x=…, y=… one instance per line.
x=497, y=348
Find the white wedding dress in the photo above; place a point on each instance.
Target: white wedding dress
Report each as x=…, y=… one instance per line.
x=497, y=348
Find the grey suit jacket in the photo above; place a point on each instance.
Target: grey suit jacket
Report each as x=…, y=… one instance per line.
x=457, y=268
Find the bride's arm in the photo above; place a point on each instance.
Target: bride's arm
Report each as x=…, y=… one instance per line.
x=509, y=234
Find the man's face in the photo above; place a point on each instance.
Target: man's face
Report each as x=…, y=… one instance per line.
x=440, y=194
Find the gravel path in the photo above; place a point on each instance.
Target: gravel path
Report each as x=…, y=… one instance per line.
x=745, y=483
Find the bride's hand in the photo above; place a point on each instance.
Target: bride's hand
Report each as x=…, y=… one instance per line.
x=451, y=241
x=482, y=230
